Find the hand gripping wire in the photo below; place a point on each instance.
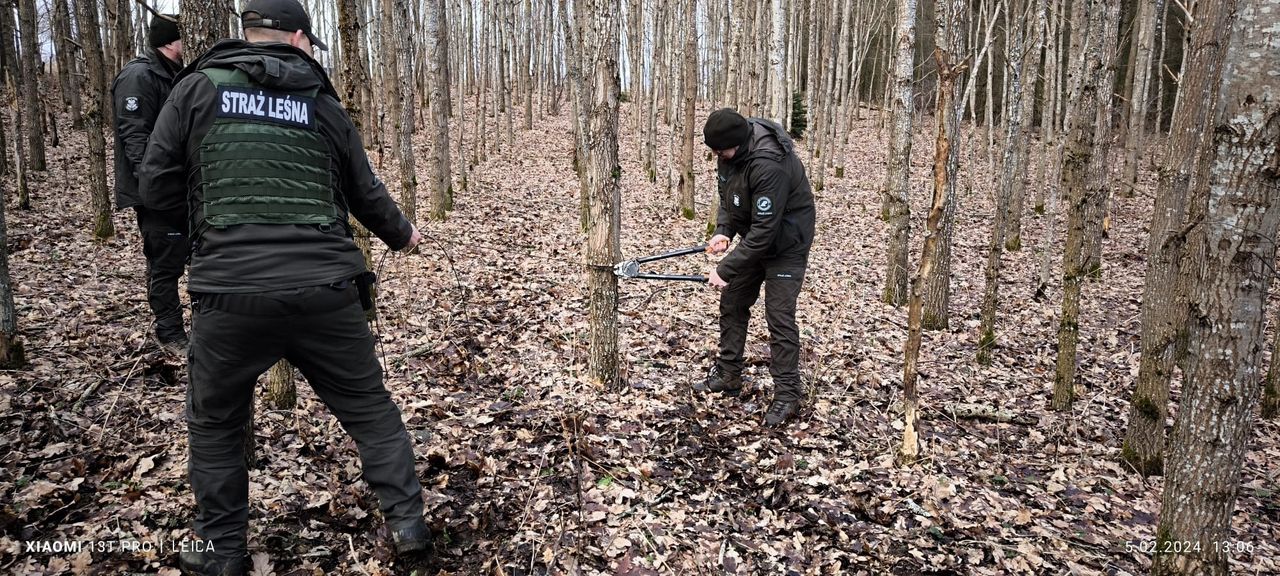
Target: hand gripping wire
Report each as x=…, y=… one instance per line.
x=631, y=268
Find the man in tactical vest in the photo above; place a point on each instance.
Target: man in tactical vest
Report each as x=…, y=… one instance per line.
x=254, y=141
x=765, y=199
x=137, y=94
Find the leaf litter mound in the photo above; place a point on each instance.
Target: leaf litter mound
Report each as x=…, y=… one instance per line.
x=528, y=469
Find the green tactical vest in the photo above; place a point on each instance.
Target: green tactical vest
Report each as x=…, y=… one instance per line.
x=264, y=160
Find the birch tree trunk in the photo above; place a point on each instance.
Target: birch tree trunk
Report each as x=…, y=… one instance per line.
x=898, y=182
x=31, y=105
x=1238, y=240
x=441, y=170
x=1010, y=172
x=602, y=176
x=1079, y=164
x=1135, y=137
x=1023, y=95
x=779, y=102
x=1163, y=313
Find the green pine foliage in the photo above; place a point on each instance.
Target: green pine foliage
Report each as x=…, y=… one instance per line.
x=799, y=116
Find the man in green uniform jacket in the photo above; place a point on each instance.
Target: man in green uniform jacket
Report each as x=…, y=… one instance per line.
x=254, y=141
x=764, y=198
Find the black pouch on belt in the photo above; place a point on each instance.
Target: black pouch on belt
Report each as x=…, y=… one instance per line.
x=364, y=283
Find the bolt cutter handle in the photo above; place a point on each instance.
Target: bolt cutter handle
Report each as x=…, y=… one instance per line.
x=673, y=254
x=670, y=277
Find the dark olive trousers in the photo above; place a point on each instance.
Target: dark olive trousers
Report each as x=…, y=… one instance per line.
x=322, y=331
x=781, y=278
x=166, y=252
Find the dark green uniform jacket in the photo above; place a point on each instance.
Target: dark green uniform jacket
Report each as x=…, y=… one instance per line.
x=245, y=258
x=137, y=94
x=765, y=198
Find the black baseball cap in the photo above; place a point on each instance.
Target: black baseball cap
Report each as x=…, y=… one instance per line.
x=287, y=15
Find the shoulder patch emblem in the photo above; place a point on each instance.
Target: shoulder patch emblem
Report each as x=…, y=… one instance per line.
x=764, y=204
x=131, y=103
x=736, y=200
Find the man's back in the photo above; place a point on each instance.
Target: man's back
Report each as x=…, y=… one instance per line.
x=283, y=107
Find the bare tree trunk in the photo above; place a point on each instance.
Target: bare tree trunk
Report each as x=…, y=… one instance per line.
x=950, y=54
x=404, y=108
x=204, y=22
x=31, y=105
x=779, y=101
x=1011, y=172
x=1145, y=22
x=1023, y=95
x=602, y=175
x=357, y=98
x=898, y=182
x=12, y=354
x=96, y=118
x=1163, y=313
x=651, y=97
x=282, y=390
x=1238, y=241
x=950, y=17
x=689, y=86
x=1271, y=386
x=69, y=79
x=1079, y=165
x=14, y=80
x=124, y=47
x=1100, y=171
x=442, y=179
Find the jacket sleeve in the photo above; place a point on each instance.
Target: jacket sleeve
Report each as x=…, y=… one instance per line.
x=769, y=187
x=162, y=175
x=134, y=99
x=367, y=196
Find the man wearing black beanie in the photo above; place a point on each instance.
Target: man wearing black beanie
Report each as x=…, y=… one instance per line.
x=137, y=94
x=766, y=200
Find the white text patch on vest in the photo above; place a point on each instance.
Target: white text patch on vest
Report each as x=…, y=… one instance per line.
x=262, y=105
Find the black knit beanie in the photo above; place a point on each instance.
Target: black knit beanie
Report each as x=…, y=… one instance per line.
x=725, y=129
x=163, y=31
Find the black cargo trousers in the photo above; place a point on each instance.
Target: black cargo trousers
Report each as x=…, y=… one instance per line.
x=781, y=277
x=165, y=248
x=323, y=332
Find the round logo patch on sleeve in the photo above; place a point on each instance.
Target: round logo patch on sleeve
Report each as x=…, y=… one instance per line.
x=764, y=204
x=131, y=103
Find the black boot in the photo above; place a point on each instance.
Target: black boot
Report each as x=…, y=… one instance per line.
x=413, y=540
x=202, y=563
x=720, y=381
x=780, y=412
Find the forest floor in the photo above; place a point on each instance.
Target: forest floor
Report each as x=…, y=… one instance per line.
x=530, y=470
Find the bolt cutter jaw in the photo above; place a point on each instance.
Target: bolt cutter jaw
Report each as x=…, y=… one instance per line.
x=628, y=269
x=631, y=268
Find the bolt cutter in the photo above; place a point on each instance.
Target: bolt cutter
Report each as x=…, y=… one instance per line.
x=631, y=268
